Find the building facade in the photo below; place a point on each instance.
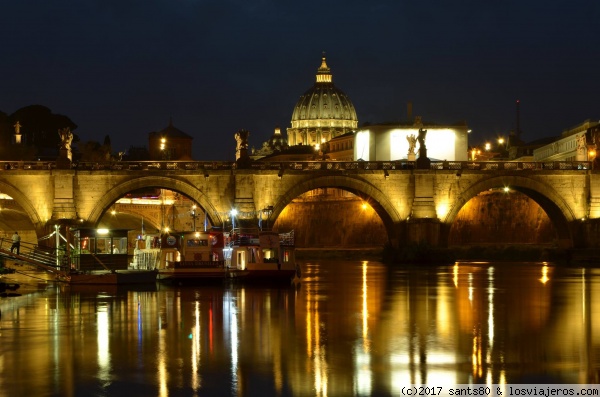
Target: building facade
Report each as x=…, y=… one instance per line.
x=578, y=143
x=170, y=143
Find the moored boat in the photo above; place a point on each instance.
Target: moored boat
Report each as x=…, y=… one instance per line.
x=101, y=257
x=108, y=277
x=267, y=256
x=193, y=257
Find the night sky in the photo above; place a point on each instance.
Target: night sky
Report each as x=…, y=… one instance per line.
x=123, y=68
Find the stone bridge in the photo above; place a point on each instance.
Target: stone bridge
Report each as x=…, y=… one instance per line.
x=414, y=204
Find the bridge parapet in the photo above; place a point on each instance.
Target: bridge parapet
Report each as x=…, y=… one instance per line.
x=299, y=165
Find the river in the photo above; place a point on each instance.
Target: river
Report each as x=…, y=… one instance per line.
x=350, y=328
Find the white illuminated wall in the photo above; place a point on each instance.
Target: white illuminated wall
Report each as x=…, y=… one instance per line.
x=388, y=143
x=362, y=145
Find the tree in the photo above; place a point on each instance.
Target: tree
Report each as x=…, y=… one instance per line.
x=39, y=128
x=94, y=152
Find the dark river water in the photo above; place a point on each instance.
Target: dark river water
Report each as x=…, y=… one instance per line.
x=350, y=328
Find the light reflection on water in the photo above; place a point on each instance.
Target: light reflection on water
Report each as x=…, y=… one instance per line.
x=350, y=328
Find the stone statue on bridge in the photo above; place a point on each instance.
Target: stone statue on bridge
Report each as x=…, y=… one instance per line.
x=412, y=144
x=241, y=152
x=66, y=137
x=65, y=155
x=422, y=162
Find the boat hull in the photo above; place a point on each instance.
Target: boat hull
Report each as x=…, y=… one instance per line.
x=196, y=275
x=119, y=277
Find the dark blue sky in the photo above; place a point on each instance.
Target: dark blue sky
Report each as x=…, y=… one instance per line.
x=123, y=68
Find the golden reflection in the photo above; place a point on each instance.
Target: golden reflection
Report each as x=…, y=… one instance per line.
x=309, y=324
x=321, y=369
x=455, y=272
x=476, y=355
x=315, y=349
x=470, y=288
x=234, y=337
x=422, y=327
x=104, y=369
x=490, y=314
x=365, y=308
x=545, y=277
x=196, y=350
x=444, y=309
x=363, y=374
x=502, y=379
x=163, y=377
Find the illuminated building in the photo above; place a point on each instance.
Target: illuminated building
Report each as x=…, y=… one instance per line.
x=579, y=143
x=324, y=126
x=341, y=148
x=388, y=142
x=170, y=143
x=322, y=113
x=275, y=144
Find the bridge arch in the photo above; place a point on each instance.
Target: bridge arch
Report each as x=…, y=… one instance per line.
x=376, y=198
x=181, y=186
x=559, y=212
x=25, y=203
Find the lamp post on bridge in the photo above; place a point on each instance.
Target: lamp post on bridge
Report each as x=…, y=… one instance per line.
x=194, y=215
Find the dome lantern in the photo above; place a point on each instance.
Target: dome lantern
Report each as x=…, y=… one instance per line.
x=324, y=73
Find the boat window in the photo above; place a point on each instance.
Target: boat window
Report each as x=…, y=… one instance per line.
x=103, y=245
x=269, y=255
x=87, y=245
x=197, y=243
x=119, y=245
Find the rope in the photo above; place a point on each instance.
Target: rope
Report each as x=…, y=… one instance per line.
x=47, y=237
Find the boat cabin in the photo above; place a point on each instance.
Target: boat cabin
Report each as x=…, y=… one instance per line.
x=192, y=249
x=248, y=247
x=99, y=249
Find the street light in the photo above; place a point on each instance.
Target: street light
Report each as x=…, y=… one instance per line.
x=193, y=215
x=233, y=214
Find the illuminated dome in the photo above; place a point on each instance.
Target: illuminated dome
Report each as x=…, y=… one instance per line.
x=277, y=142
x=323, y=112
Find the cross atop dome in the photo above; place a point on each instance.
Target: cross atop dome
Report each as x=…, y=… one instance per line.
x=324, y=73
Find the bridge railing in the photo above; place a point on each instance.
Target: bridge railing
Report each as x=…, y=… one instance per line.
x=435, y=165
x=27, y=165
x=207, y=166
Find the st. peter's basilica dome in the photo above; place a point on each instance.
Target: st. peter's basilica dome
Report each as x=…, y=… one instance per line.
x=323, y=112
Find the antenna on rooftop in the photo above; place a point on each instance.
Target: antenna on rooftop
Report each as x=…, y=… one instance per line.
x=518, y=127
